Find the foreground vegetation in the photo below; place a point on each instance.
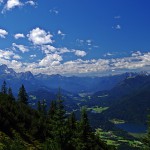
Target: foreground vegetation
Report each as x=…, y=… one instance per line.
x=22, y=127
x=51, y=128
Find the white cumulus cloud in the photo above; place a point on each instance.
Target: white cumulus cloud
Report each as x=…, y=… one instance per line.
x=3, y=33
x=48, y=49
x=30, y=2
x=12, y=4
x=80, y=53
x=19, y=35
x=40, y=37
x=50, y=60
x=5, y=54
x=22, y=48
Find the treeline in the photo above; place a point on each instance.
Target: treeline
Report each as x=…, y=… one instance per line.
x=22, y=127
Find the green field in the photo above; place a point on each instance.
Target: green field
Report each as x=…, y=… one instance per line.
x=117, y=121
x=97, y=109
x=110, y=138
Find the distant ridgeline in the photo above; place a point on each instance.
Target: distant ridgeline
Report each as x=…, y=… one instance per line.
x=129, y=100
x=22, y=127
x=73, y=84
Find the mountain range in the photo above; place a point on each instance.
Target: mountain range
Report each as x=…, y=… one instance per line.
x=129, y=100
x=127, y=95
x=71, y=84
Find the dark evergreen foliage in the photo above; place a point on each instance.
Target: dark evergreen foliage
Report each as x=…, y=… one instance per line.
x=22, y=95
x=4, y=88
x=39, y=107
x=26, y=128
x=10, y=94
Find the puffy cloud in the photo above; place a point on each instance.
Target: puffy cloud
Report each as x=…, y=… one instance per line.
x=48, y=49
x=75, y=67
x=17, y=64
x=51, y=64
x=135, y=61
x=16, y=57
x=11, y=4
x=50, y=59
x=40, y=37
x=3, y=33
x=5, y=54
x=138, y=53
x=80, y=53
x=22, y=48
x=63, y=50
x=32, y=3
x=19, y=35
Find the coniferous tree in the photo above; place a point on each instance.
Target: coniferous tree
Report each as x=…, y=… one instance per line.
x=35, y=129
x=72, y=128
x=52, y=109
x=39, y=107
x=22, y=95
x=72, y=121
x=43, y=108
x=58, y=123
x=4, y=88
x=85, y=126
x=10, y=94
x=84, y=132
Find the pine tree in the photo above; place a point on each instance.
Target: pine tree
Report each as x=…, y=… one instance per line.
x=39, y=107
x=22, y=95
x=58, y=124
x=10, y=94
x=85, y=126
x=84, y=132
x=72, y=121
x=52, y=109
x=43, y=108
x=4, y=88
x=71, y=129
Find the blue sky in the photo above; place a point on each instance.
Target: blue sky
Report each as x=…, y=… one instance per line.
x=75, y=37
